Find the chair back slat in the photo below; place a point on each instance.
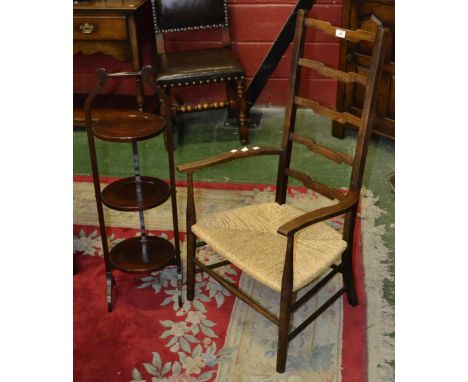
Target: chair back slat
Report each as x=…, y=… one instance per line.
x=330, y=113
x=333, y=73
x=363, y=123
x=347, y=34
x=307, y=181
x=322, y=150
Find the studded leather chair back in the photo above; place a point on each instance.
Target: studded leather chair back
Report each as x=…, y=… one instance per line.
x=183, y=15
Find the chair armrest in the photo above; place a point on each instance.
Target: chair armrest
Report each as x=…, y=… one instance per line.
x=227, y=157
x=309, y=218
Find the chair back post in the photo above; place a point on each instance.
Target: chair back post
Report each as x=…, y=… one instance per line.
x=291, y=108
x=368, y=110
x=364, y=135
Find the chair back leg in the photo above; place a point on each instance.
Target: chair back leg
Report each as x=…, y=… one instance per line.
x=283, y=331
x=231, y=97
x=348, y=281
x=347, y=258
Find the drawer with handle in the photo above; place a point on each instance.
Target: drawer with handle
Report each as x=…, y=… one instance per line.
x=99, y=28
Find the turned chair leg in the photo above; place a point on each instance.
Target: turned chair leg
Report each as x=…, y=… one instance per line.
x=242, y=113
x=231, y=97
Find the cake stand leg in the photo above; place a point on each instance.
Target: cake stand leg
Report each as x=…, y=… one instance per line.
x=109, y=291
x=179, y=286
x=136, y=165
x=169, y=142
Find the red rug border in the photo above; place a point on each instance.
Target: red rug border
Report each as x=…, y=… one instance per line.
x=354, y=354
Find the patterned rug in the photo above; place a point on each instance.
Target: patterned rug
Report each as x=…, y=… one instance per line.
x=216, y=337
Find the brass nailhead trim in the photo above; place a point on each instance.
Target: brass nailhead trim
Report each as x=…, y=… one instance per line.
x=156, y=28
x=207, y=81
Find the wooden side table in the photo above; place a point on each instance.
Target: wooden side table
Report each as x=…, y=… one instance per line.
x=118, y=28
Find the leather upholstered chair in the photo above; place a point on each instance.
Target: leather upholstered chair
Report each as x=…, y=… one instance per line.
x=199, y=66
x=275, y=243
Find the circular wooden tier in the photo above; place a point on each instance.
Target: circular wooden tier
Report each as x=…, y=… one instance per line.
x=129, y=255
x=121, y=195
x=134, y=126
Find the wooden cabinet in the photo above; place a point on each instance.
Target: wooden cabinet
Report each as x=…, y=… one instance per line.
x=118, y=28
x=88, y=28
x=368, y=15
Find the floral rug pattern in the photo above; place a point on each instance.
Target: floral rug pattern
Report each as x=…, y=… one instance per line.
x=217, y=337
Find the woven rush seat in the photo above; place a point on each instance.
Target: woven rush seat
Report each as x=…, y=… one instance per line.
x=232, y=233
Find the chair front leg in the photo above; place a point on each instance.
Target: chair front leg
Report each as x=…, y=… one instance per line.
x=191, y=251
x=232, y=99
x=287, y=297
x=191, y=248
